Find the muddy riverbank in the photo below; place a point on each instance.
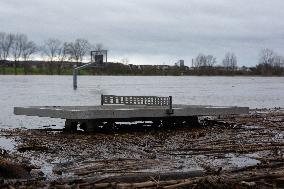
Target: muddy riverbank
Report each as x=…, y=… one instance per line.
x=245, y=151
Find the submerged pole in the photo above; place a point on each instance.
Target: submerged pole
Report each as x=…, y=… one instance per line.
x=75, y=77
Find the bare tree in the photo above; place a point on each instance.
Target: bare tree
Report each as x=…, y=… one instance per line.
x=210, y=60
x=230, y=61
x=29, y=48
x=78, y=49
x=52, y=49
x=2, y=37
x=278, y=61
x=64, y=52
x=17, y=48
x=62, y=57
x=204, y=61
x=267, y=56
x=6, y=42
x=266, y=61
x=199, y=61
x=277, y=65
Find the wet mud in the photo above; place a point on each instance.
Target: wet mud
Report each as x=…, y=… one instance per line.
x=226, y=152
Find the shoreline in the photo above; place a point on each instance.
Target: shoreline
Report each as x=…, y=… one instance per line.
x=122, y=75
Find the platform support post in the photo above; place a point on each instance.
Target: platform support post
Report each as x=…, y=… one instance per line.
x=75, y=73
x=70, y=125
x=102, y=99
x=171, y=103
x=170, y=110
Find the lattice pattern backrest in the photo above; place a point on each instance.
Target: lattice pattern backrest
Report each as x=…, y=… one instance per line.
x=136, y=100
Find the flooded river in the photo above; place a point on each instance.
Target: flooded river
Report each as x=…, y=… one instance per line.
x=255, y=92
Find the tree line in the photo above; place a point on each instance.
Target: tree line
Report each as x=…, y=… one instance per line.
x=18, y=47
x=269, y=63
x=55, y=54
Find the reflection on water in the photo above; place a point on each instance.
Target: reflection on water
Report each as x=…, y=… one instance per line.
x=255, y=92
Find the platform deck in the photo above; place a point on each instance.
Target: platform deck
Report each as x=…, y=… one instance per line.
x=126, y=111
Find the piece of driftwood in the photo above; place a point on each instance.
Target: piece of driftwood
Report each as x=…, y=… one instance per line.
x=181, y=184
x=143, y=177
x=260, y=166
x=9, y=169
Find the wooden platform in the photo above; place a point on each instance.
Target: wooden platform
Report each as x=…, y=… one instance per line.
x=159, y=110
x=126, y=111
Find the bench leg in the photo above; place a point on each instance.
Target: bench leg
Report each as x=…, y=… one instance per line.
x=70, y=125
x=91, y=125
x=192, y=121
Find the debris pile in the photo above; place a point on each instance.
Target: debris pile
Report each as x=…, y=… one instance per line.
x=229, y=152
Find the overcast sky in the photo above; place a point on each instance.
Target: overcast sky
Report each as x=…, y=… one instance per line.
x=154, y=31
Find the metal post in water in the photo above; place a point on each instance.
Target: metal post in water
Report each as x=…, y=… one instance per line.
x=75, y=77
x=93, y=64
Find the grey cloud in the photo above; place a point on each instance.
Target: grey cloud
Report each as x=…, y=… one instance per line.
x=154, y=31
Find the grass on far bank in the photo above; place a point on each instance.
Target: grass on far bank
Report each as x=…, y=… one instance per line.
x=38, y=71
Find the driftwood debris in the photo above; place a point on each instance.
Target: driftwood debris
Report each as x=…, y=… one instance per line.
x=9, y=169
x=231, y=152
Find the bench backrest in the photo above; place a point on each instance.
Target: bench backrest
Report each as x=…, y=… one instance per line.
x=136, y=100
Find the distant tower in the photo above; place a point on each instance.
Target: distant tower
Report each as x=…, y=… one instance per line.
x=181, y=63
